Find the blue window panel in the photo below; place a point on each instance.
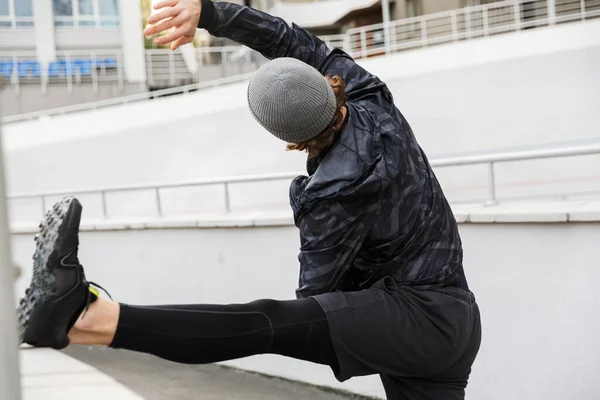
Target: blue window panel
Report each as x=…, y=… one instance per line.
x=6, y=68
x=29, y=69
x=109, y=7
x=4, y=7
x=23, y=8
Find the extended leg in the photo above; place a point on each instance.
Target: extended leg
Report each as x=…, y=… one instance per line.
x=199, y=334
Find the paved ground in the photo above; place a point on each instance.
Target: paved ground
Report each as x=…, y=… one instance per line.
x=49, y=375
x=156, y=379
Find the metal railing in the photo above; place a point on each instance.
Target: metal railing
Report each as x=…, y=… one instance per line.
x=70, y=68
x=477, y=159
x=166, y=68
x=427, y=30
x=466, y=23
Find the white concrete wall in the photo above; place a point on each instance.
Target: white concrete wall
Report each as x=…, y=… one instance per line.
x=533, y=87
x=536, y=285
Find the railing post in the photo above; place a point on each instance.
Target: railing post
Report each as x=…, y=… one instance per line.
x=223, y=64
x=454, y=26
x=486, y=23
x=551, y=12
x=363, y=42
x=582, y=5
x=227, y=201
x=517, y=15
x=120, y=71
x=16, y=82
x=69, y=71
x=172, y=68
x=43, y=206
x=159, y=209
x=94, y=72
x=468, y=23
x=150, y=67
x=423, y=32
x=347, y=44
x=385, y=6
x=104, y=206
x=394, y=41
x=491, y=186
x=10, y=371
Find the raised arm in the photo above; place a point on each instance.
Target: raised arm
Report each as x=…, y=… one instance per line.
x=271, y=36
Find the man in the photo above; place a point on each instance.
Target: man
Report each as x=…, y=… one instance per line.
x=381, y=289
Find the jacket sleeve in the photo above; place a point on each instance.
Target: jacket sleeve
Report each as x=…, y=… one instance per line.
x=331, y=235
x=273, y=38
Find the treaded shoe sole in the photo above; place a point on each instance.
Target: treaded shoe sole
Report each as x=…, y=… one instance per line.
x=42, y=286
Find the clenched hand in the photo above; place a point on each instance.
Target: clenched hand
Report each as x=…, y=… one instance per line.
x=183, y=15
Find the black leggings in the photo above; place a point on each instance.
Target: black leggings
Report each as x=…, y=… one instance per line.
x=201, y=334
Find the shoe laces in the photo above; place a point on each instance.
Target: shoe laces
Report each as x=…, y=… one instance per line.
x=89, y=300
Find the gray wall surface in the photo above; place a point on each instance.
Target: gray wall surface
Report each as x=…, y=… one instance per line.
x=536, y=286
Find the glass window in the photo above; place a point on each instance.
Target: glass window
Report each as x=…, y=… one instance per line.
x=23, y=8
x=86, y=7
x=62, y=8
x=109, y=8
x=3, y=7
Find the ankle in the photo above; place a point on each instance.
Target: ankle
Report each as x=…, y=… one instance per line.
x=98, y=325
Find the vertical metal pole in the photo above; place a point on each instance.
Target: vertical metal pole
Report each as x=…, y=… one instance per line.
x=394, y=40
x=517, y=13
x=363, y=42
x=158, y=203
x=551, y=12
x=43, y=206
x=104, y=206
x=94, y=72
x=10, y=371
x=491, y=186
x=454, y=26
x=385, y=6
x=68, y=71
x=16, y=75
x=172, y=67
x=486, y=23
x=227, y=201
x=468, y=22
x=423, y=32
x=582, y=5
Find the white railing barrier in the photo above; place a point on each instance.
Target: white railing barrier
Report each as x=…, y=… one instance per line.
x=70, y=67
x=478, y=159
x=427, y=30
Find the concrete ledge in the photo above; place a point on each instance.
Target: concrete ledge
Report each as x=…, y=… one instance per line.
x=50, y=375
x=514, y=213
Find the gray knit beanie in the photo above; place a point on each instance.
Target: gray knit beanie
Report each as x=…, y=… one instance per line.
x=291, y=99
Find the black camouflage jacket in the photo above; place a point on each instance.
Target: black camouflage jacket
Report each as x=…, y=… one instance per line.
x=370, y=206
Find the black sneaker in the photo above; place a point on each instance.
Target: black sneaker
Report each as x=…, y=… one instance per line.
x=59, y=292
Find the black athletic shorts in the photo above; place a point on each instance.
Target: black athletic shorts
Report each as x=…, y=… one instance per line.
x=422, y=342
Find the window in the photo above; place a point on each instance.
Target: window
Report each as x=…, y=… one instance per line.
x=86, y=13
x=16, y=14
